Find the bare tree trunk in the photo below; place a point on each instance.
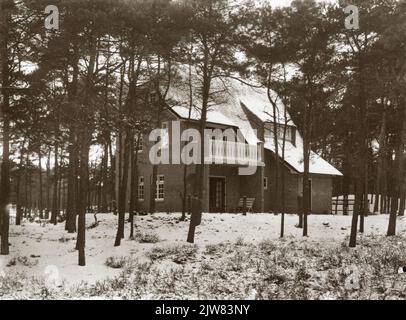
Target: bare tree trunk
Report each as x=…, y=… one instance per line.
x=71, y=208
x=122, y=194
x=356, y=210
x=402, y=194
x=128, y=140
x=200, y=183
x=19, y=212
x=283, y=179
x=276, y=193
x=40, y=193
x=362, y=153
x=48, y=179
x=398, y=171
x=306, y=162
x=5, y=106
x=83, y=184
x=134, y=183
x=54, y=214
x=381, y=156
x=105, y=182
x=113, y=207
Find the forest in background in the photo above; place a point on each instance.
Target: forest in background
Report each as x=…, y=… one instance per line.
x=69, y=91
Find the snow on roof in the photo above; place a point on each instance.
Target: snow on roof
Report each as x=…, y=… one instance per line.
x=213, y=116
x=294, y=157
x=256, y=100
x=228, y=99
x=224, y=108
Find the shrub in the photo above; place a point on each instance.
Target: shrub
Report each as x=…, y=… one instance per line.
x=23, y=260
x=116, y=262
x=147, y=237
x=178, y=254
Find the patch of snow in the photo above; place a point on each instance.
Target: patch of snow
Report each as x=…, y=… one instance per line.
x=51, y=252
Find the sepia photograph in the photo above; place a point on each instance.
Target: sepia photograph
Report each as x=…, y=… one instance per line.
x=171, y=151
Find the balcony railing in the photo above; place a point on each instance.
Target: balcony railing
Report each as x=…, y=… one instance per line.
x=229, y=152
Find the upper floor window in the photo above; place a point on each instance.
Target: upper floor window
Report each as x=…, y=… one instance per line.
x=289, y=136
x=152, y=98
x=139, y=142
x=265, y=183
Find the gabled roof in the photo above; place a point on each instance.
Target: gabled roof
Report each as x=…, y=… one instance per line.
x=294, y=158
x=230, y=97
x=213, y=116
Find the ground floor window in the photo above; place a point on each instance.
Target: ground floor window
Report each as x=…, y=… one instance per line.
x=141, y=188
x=160, y=188
x=265, y=183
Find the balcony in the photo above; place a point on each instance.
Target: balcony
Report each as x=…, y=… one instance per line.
x=229, y=152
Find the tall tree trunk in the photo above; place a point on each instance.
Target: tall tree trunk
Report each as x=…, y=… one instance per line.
x=381, y=156
x=402, y=204
x=5, y=106
x=134, y=183
x=200, y=181
x=71, y=208
x=40, y=193
x=113, y=206
x=85, y=135
x=105, y=182
x=83, y=185
x=19, y=212
x=306, y=162
x=128, y=140
x=190, y=87
x=398, y=170
x=54, y=214
x=122, y=194
x=283, y=178
x=48, y=179
x=362, y=153
x=276, y=193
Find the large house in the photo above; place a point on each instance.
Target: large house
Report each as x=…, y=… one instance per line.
x=240, y=107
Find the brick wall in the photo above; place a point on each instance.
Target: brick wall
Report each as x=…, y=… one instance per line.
x=236, y=186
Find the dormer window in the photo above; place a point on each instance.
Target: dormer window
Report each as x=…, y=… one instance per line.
x=152, y=98
x=290, y=132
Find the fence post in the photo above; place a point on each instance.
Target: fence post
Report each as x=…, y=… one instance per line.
x=244, y=205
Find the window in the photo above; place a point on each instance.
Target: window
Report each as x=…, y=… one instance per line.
x=141, y=188
x=139, y=144
x=290, y=132
x=265, y=183
x=152, y=98
x=160, y=188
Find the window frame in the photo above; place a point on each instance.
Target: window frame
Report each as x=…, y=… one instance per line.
x=141, y=183
x=160, y=182
x=140, y=145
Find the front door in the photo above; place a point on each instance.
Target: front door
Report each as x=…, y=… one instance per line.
x=217, y=194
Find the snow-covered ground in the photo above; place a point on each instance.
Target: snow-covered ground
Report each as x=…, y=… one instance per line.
x=46, y=251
